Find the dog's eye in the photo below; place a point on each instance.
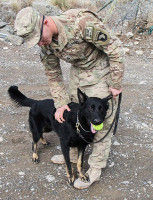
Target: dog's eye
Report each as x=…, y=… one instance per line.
x=92, y=107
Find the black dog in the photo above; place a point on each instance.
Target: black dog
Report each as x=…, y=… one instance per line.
x=74, y=132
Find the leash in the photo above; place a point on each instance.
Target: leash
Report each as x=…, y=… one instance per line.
x=115, y=120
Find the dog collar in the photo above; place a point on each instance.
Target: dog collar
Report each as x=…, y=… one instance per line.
x=79, y=124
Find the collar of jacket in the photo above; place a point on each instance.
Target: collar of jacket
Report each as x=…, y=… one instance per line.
x=62, y=38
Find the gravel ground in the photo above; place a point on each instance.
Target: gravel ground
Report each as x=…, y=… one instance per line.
x=128, y=175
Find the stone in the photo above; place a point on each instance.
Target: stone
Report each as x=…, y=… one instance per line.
x=14, y=39
x=129, y=34
x=139, y=52
x=126, y=50
x=1, y=139
x=2, y=24
x=136, y=42
x=50, y=178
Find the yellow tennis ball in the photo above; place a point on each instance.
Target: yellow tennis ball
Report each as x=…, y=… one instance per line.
x=98, y=127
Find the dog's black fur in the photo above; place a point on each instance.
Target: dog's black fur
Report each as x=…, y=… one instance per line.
x=90, y=110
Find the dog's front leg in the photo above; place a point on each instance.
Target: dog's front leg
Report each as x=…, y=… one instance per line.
x=83, y=177
x=70, y=175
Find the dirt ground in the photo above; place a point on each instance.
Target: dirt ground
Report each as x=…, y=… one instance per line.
x=128, y=175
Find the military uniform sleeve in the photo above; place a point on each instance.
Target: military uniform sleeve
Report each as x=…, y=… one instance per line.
x=54, y=75
x=94, y=31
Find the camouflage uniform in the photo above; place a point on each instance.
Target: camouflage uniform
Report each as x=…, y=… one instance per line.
x=97, y=64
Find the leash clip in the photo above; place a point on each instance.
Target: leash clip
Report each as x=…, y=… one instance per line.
x=77, y=126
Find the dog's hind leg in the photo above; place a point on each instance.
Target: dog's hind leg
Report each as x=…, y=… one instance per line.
x=46, y=129
x=70, y=175
x=83, y=177
x=36, y=134
x=43, y=141
x=35, y=158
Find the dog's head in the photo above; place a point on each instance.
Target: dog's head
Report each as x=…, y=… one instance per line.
x=92, y=110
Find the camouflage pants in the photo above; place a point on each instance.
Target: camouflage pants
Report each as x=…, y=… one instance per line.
x=87, y=81
x=94, y=83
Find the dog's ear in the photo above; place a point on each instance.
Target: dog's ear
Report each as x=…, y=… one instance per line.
x=81, y=96
x=105, y=101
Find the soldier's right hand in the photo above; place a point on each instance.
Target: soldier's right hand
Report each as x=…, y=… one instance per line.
x=59, y=113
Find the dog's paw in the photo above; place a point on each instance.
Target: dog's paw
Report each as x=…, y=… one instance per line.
x=71, y=180
x=47, y=143
x=35, y=160
x=85, y=178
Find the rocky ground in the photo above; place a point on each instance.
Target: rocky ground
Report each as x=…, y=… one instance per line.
x=128, y=175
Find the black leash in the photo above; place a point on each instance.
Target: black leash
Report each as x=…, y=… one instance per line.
x=115, y=120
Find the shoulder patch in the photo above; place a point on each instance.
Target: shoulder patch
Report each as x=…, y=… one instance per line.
x=101, y=36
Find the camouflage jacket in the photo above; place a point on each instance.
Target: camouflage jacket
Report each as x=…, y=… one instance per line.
x=82, y=41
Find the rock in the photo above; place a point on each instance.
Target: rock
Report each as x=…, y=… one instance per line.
x=50, y=178
x=1, y=139
x=14, y=39
x=143, y=82
x=5, y=48
x=116, y=143
x=129, y=34
x=138, y=39
x=112, y=164
x=126, y=50
x=136, y=42
x=119, y=33
x=21, y=173
x=139, y=52
x=7, y=29
x=125, y=182
x=2, y=24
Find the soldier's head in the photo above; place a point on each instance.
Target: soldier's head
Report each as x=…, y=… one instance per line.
x=33, y=27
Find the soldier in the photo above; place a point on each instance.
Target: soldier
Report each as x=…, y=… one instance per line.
x=80, y=38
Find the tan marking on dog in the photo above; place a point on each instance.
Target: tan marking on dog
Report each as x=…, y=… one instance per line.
x=79, y=162
x=43, y=141
x=79, y=168
x=70, y=178
x=35, y=156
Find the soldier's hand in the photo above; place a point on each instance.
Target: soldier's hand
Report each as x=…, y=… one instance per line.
x=115, y=92
x=59, y=113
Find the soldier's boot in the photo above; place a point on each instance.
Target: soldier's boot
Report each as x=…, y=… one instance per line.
x=93, y=174
x=59, y=159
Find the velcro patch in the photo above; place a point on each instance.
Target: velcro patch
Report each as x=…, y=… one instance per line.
x=88, y=33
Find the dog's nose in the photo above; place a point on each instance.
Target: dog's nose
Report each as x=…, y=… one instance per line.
x=96, y=121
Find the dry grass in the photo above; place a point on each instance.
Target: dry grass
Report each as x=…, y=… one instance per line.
x=19, y=4
x=62, y=4
x=70, y=4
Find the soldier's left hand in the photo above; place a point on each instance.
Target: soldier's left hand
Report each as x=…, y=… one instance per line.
x=115, y=92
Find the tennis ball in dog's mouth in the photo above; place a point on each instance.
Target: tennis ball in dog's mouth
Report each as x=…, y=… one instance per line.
x=98, y=127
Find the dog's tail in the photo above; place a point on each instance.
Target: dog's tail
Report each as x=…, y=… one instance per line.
x=19, y=98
